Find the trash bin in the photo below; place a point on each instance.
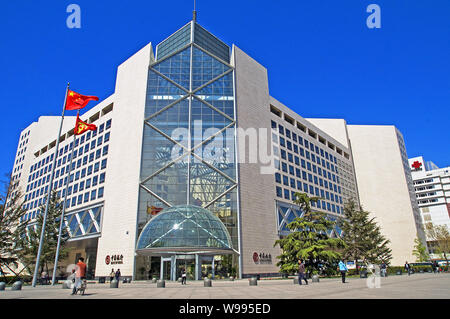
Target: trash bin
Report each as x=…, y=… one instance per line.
x=295, y=281
x=161, y=284
x=101, y=280
x=154, y=280
x=207, y=282
x=231, y=278
x=315, y=278
x=2, y=286
x=253, y=281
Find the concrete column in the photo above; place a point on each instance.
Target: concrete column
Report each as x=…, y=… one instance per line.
x=197, y=267
x=173, y=268
x=161, y=274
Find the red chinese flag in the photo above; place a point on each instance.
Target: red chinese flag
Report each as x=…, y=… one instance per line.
x=76, y=101
x=81, y=127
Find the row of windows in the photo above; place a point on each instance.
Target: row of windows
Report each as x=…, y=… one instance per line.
x=92, y=169
x=71, y=202
x=90, y=182
x=290, y=195
x=426, y=194
x=292, y=182
x=67, y=148
x=75, y=165
x=298, y=139
x=424, y=181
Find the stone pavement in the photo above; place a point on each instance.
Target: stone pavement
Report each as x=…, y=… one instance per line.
x=428, y=286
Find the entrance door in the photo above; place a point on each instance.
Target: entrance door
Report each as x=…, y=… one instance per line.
x=166, y=264
x=186, y=262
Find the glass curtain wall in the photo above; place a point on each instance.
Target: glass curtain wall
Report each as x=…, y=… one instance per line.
x=188, y=152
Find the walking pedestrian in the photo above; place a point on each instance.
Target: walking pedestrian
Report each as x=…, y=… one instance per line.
x=434, y=265
x=118, y=275
x=183, y=277
x=343, y=269
x=112, y=275
x=383, y=268
x=44, y=278
x=80, y=275
x=301, y=272
x=408, y=268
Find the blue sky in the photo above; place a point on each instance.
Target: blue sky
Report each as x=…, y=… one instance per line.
x=322, y=59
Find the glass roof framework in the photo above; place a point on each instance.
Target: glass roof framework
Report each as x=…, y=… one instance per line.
x=183, y=228
x=188, y=84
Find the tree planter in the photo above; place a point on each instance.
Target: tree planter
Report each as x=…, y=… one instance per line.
x=114, y=284
x=67, y=284
x=17, y=285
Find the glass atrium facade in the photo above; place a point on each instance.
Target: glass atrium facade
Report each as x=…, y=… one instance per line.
x=188, y=153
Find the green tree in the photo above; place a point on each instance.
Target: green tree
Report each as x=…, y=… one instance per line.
x=420, y=250
x=11, y=212
x=439, y=235
x=363, y=237
x=308, y=240
x=27, y=241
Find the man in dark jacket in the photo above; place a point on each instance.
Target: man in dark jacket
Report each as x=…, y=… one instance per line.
x=407, y=268
x=301, y=272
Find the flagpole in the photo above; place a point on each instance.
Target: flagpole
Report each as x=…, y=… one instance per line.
x=36, y=269
x=64, y=207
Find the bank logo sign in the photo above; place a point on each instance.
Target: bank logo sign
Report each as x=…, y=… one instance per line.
x=262, y=258
x=114, y=259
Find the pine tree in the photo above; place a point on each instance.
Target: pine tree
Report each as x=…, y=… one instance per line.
x=28, y=240
x=363, y=237
x=11, y=213
x=309, y=240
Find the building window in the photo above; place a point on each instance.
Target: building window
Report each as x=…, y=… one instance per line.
x=100, y=192
x=279, y=192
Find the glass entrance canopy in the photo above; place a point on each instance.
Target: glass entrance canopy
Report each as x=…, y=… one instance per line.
x=184, y=229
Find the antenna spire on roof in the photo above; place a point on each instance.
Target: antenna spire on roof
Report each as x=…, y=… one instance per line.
x=194, y=13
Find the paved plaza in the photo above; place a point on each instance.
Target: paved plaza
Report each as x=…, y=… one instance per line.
x=428, y=286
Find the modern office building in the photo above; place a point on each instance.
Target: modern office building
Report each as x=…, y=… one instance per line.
x=432, y=189
x=384, y=182
x=194, y=165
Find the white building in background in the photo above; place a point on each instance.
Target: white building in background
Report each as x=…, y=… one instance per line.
x=125, y=168
x=432, y=188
